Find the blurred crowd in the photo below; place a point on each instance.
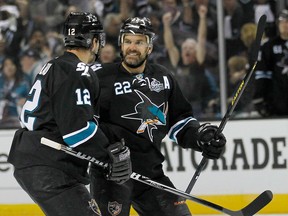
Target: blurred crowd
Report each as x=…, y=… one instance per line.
x=186, y=43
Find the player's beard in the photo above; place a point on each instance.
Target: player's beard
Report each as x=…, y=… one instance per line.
x=135, y=63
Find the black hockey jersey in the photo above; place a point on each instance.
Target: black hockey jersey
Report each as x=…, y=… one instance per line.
x=62, y=105
x=142, y=109
x=271, y=75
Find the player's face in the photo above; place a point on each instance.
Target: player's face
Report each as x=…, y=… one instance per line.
x=283, y=28
x=135, y=50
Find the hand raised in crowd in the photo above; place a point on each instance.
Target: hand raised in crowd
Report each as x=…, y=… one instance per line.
x=202, y=11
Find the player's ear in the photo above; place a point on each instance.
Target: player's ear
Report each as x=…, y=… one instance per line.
x=95, y=44
x=150, y=48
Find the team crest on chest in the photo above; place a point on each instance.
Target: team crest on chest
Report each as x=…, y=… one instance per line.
x=114, y=208
x=149, y=114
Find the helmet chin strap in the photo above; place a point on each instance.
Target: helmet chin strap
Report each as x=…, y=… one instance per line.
x=96, y=53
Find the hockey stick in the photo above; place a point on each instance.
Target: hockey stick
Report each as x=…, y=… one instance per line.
x=236, y=97
x=256, y=205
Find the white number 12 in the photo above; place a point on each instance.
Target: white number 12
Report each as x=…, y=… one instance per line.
x=31, y=105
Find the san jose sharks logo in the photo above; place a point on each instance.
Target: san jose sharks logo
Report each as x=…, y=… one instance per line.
x=149, y=114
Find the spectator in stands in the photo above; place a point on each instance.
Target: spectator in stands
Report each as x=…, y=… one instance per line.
x=31, y=63
x=10, y=27
x=111, y=24
x=108, y=54
x=271, y=75
x=247, y=36
x=192, y=18
x=233, y=22
x=132, y=7
x=113, y=20
x=13, y=89
x=189, y=66
x=237, y=68
x=38, y=41
x=47, y=14
x=159, y=54
x=268, y=8
x=179, y=30
x=191, y=22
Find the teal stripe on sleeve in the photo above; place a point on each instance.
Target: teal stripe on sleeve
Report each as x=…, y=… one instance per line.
x=78, y=137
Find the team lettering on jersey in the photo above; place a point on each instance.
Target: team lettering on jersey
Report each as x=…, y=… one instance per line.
x=96, y=67
x=81, y=66
x=45, y=69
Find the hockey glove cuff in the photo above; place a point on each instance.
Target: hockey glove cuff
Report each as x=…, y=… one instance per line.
x=120, y=167
x=212, y=146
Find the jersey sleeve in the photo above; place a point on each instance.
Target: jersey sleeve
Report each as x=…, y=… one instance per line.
x=263, y=72
x=74, y=107
x=180, y=115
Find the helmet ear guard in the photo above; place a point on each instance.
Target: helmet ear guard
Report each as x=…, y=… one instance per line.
x=137, y=25
x=80, y=28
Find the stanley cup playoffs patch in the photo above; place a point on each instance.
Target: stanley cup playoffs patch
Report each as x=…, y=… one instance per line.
x=114, y=208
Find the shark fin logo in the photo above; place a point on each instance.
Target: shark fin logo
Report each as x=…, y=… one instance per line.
x=149, y=114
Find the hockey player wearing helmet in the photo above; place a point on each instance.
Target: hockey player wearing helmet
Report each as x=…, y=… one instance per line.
x=143, y=103
x=62, y=106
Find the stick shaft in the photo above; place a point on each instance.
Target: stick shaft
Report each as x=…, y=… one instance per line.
x=236, y=97
x=148, y=181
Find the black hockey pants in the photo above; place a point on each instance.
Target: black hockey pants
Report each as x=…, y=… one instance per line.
x=55, y=192
x=115, y=199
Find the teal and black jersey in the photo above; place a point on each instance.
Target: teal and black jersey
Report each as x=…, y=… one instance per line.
x=271, y=75
x=143, y=109
x=61, y=105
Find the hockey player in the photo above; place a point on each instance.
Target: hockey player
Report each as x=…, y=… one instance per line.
x=61, y=106
x=143, y=103
x=271, y=75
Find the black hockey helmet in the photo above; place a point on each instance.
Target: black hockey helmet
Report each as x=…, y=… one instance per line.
x=137, y=25
x=80, y=28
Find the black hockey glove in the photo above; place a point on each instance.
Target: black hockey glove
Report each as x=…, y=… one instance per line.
x=212, y=147
x=262, y=107
x=120, y=167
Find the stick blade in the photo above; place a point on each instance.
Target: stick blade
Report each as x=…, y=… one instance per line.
x=259, y=34
x=260, y=202
x=50, y=143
